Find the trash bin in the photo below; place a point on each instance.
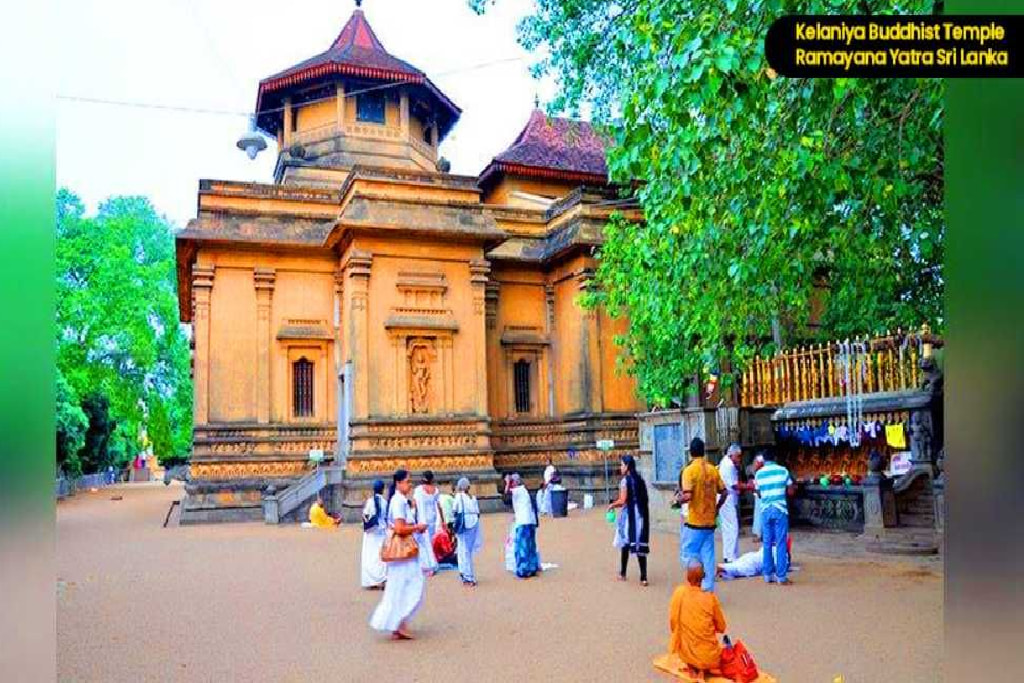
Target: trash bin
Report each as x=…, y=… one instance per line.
x=559, y=502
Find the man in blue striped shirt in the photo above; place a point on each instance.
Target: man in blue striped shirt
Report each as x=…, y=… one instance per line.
x=772, y=484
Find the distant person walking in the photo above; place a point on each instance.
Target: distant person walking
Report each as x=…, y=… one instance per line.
x=773, y=483
x=466, y=516
x=375, y=527
x=700, y=484
x=425, y=497
x=403, y=592
x=728, y=469
x=633, y=527
x=527, y=559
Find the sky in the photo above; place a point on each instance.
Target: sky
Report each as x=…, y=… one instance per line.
x=211, y=54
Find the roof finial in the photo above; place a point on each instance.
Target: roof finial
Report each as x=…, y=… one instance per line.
x=359, y=3
x=536, y=101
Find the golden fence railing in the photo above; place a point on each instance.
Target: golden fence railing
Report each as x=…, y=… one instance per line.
x=877, y=364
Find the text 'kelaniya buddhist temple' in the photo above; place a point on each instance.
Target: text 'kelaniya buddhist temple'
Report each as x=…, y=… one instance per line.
x=373, y=307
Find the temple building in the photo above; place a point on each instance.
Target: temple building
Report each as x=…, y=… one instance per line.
x=371, y=308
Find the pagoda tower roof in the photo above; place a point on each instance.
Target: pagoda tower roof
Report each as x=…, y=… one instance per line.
x=552, y=147
x=356, y=53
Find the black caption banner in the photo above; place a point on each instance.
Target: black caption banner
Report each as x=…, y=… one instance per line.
x=857, y=46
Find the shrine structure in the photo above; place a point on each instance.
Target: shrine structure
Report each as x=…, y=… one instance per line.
x=371, y=307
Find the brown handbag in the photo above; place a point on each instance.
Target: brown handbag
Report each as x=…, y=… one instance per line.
x=398, y=548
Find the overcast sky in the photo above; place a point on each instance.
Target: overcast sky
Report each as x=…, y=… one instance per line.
x=210, y=54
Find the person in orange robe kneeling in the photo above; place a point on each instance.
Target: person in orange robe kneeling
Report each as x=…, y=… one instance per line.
x=695, y=618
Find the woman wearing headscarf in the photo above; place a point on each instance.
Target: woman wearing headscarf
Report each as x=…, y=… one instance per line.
x=403, y=592
x=466, y=514
x=425, y=499
x=633, y=527
x=525, y=544
x=375, y=528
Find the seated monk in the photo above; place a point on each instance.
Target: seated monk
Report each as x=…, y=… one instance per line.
x=319, y=518
x=695, y=618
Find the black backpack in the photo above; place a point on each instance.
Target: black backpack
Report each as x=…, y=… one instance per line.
x=371, y=523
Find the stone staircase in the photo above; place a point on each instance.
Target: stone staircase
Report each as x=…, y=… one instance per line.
x=291, y=504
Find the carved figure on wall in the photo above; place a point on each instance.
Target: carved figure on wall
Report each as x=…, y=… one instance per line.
x=920, y=437
x=420, y=360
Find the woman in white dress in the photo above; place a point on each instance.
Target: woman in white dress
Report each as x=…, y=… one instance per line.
x=375, y=527
x=425, y=498
x=466, y=512
x=403, y=592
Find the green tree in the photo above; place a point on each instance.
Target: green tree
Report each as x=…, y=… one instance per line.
x=72, y=424
x=119, y=345
x=753, y=186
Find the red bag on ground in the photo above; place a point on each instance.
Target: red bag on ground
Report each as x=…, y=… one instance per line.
x=737, y=662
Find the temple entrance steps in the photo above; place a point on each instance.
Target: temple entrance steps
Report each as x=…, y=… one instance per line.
x=292, y=503
x=915, y=501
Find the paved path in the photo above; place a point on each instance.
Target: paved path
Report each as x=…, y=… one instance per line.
x=249, y=602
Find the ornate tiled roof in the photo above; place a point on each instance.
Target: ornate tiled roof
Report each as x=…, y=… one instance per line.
x=358, y=53
x=556, y=148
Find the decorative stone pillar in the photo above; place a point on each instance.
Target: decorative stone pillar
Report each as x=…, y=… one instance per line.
x=478, y=271
x=288, y=117
x=590, y=345
x=403, y=113
x=341, y=107
x=879, y=500
x=263, y=280
x=549, y=305
x=357, y=288
x=202, y=286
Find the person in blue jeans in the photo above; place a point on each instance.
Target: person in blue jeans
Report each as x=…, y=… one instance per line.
x=773, y=484
x=703, y=493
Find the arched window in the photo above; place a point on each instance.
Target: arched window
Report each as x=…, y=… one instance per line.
x=521, y=371
x=302, y=387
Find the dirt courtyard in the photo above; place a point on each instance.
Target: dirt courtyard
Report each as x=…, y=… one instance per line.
x=137, y=602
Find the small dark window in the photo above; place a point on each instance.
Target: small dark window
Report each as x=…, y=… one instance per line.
x=522, y=382
x=302, y=380
x=370, y=107
x=426, y=135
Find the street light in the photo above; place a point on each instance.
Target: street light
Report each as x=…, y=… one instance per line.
x=252, y=142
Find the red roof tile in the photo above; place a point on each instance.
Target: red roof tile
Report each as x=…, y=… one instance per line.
x=554, y=147
x=355, y=52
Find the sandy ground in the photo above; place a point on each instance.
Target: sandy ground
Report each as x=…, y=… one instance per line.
x=251, y=602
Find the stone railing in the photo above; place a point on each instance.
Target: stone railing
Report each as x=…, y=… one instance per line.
x=837, y=369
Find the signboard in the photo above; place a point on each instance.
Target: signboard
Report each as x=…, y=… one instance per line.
x=668, y=452
x=605, y=444
x=316, y=455
x=900, y=463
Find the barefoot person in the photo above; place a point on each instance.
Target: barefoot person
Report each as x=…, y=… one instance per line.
x=375, y=527
x=319, y=517
x=526, y=556
x=632, y=531
x=403, y=592
x=466, y=513
x=704, y=493
x=425, y=497
x=695, y=619
x=729, y=516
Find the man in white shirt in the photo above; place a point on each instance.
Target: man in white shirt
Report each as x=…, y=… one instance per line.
x=729, y=513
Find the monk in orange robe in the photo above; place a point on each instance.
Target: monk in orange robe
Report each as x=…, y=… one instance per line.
x=695, y=618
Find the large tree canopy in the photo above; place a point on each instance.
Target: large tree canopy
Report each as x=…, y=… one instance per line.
x=122, y=358
x=754, y=187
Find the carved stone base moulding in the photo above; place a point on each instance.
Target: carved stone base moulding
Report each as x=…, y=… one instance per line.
x=246, y=470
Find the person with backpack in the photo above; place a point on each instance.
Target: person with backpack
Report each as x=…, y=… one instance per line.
x=375, y=527
x=466, y=524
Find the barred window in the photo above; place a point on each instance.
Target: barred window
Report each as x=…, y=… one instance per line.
x=302, y=387
x=522, y=385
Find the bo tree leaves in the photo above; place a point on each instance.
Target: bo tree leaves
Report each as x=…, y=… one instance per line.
x=755, y=188
x=122, y=358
